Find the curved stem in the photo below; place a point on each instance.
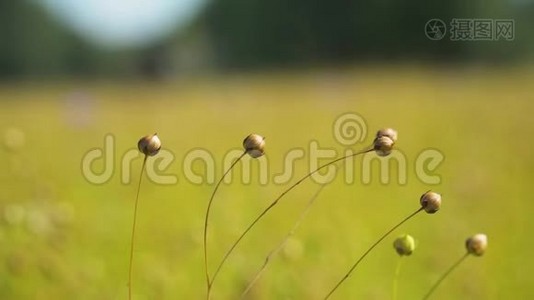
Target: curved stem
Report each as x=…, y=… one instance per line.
x=396, y=278
x=208, y=283
x=133, y=230
x=369, y=250
x=281, y=245
x=456, y=264
x=264, y=212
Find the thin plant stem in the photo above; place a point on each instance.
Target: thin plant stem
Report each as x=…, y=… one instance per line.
x=369, y=250
x=456, y=264
x=282, y=243
x=208, y=282
x=396, y=278
x=266, y=210
x=133, y=229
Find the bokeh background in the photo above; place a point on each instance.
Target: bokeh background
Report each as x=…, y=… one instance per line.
x=204, y=74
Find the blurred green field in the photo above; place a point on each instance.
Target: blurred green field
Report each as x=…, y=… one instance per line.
x=62, y=237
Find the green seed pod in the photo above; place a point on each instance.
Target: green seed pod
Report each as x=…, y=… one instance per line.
x=254, y=145
x=431, y=202
x=149, y=145
x=477, y=244
x=404, y=245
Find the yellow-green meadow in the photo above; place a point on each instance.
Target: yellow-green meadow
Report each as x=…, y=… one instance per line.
x=63, y=236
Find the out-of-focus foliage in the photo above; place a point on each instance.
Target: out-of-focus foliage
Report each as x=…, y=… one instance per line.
x=33, y=44
x=231, y=34
x=256, y=32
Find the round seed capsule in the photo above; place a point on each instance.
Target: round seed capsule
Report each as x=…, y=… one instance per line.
x=254, y=145
x=477, y=244
x=431, y=202
x=383, y=145
x=149, y=145
x=389, y=132
x=404, y=245
x=384, y=141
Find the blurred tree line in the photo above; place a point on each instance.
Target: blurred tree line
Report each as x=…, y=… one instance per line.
x=33, y=44
x=244, y=34
x=287, y=32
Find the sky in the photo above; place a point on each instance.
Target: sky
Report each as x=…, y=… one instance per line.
x=118, y=24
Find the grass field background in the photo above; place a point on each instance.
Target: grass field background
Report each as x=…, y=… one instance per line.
x=62, y=237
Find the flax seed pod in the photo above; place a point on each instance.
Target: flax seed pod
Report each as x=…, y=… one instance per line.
x=431, y=202
x=477, y=244
x=149, y=145
x=254, y=145
x=404, y=245
x=384, y=141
